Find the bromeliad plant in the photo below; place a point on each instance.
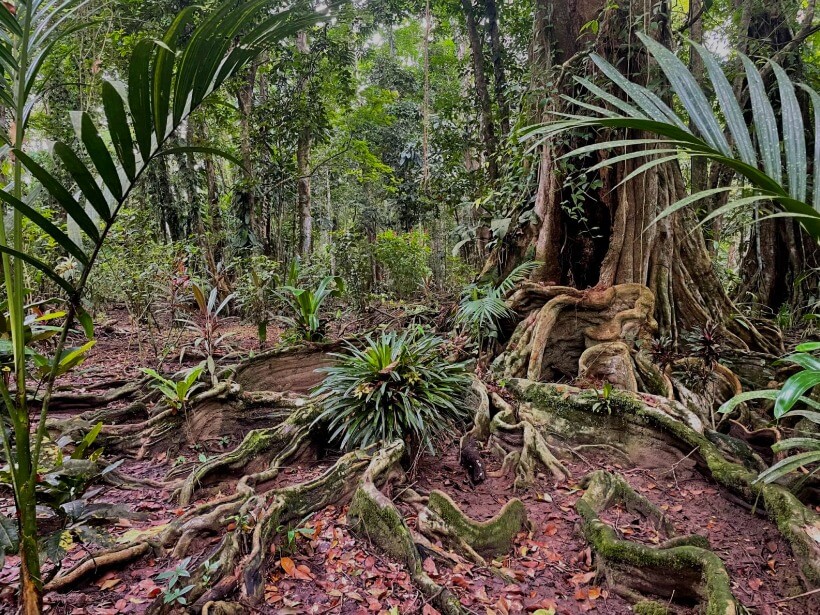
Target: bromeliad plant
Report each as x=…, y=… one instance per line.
x=305, y=303
x=400, y=385
x=166, y=81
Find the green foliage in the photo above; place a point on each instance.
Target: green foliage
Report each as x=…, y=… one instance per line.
x=255, y=293
x=207, y=323
x=603, y=399
x=174, y=593
x=399, y=385
x=306, y=303
x=405, y=258
x=791, y=401
x=353, y=257
x=762, y=167
x=484, y=306
x=176, y=393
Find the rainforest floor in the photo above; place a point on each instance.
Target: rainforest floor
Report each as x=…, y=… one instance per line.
x=326, y=568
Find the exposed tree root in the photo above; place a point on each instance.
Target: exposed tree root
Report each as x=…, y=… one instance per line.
x=522, y=447
x=241, y=554
x=88, y=401
x=681, y=569
x=287, y=369
x=96, y=562
x=443, y=519
x=651, y=426
x=373, y=515
x=271, y=444
x=570, y=321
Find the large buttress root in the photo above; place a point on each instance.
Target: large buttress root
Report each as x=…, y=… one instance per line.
x=681, y=569
x=443, y=519
x=271, y=444
x=641, y=425
x=373, y=515
x=568, y=322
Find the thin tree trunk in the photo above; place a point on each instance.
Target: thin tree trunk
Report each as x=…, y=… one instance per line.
x=498, y=67
x=303, y=146
x=482, y=90
x=246, y=195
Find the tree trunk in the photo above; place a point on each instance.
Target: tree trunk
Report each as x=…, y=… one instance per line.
x=482, y=90
x=303, y=146
x=246, y=194
x=616, y=243
x=779, y=255
x=303, y=192
x=498, y=68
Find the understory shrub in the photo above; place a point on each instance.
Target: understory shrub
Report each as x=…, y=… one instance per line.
x=399, y=385
x=405, y=258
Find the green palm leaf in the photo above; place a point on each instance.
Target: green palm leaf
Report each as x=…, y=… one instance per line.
x=164, y=87
x=763, y=168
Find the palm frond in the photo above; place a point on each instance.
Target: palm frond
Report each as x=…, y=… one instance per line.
x=166, y=82
x=754, y=154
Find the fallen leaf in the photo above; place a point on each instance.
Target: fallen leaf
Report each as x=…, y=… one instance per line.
x=429, y=610
x=430, y=567
x=594, y=593
x=551, y=529
x=109, y=583
x=755, y=584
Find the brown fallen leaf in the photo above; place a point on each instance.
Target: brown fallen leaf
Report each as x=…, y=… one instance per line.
x=755, y=584
x=108, y=583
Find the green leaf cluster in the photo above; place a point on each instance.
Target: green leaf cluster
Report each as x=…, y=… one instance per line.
x=399, y=385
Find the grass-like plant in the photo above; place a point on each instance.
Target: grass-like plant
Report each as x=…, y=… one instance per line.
x=399, y=385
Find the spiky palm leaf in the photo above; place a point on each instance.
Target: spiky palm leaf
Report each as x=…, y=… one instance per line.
x=782, y=180
x=483, y=307
x=166, y=82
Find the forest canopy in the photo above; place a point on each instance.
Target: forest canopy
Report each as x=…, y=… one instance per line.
x=409, y=306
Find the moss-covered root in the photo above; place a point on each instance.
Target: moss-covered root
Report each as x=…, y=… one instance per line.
x=525, y=448
x=443, y=519
x=570, y=413
x=241, y=555
x=677, y=571
x=275, y=443
x=373, y=515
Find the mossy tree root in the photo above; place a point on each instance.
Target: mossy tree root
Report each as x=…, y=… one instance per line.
x=242, y=553
x=373, y=515
x=682, y=569
x=523, y=449
x=442, y=519
x=571, y=413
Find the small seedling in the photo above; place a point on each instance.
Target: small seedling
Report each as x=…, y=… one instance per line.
x=209, y=569
x=242, y=522
x=604, y=401
x=174, y=594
